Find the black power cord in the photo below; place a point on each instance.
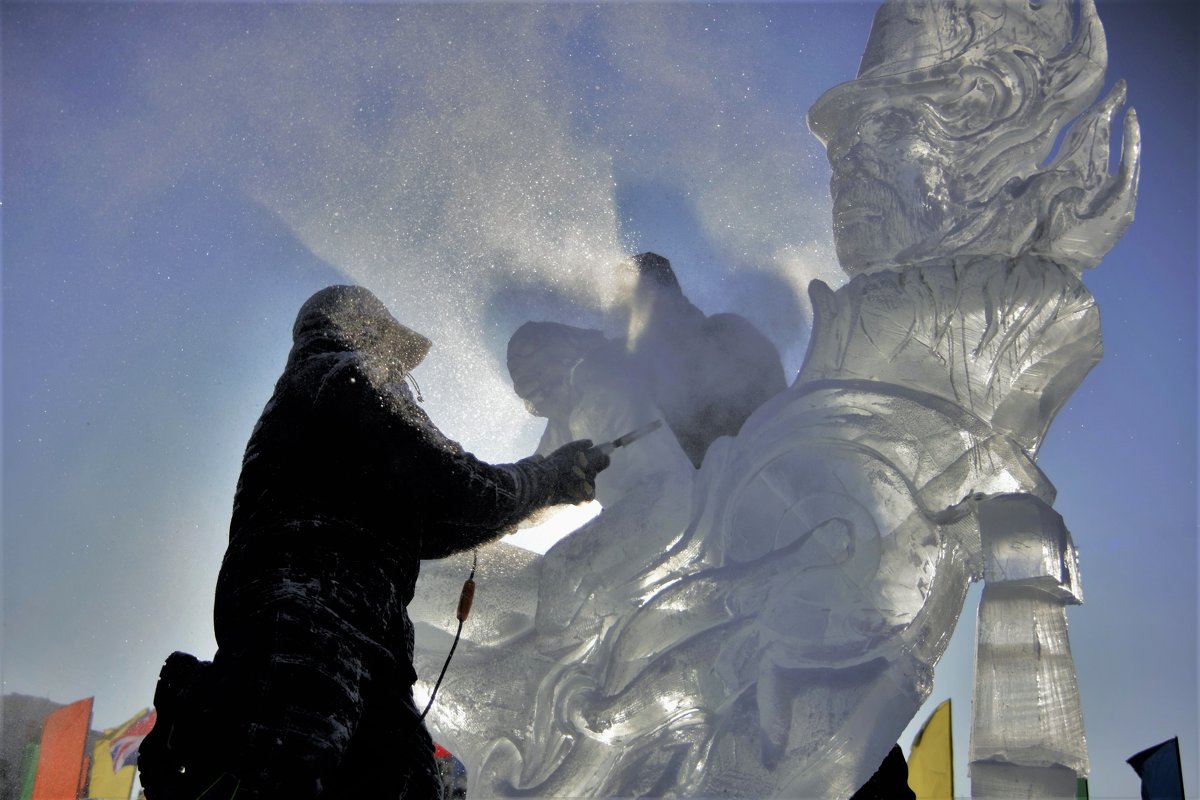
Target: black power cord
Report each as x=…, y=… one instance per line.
x=464, y=609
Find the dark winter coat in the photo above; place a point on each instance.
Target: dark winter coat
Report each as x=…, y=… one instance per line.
x=344, y=462
x=345, y=486
x=342, y=442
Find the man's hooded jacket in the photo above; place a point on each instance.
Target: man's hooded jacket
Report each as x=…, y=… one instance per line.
x=342, y=442
x=344, y=463
x=345, y=486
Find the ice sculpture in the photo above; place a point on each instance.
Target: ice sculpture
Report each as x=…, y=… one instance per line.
x=767, y=625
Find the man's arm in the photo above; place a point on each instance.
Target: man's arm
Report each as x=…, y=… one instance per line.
x=495, y=497
x=459, y=500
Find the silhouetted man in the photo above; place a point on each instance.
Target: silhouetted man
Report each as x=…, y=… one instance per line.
x=346, y=485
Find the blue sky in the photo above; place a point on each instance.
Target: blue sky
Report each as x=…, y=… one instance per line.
x=177, y=178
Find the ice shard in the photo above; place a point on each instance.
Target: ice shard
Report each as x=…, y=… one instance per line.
x=767, y=625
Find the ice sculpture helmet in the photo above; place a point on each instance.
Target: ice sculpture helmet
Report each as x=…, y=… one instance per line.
x=938, y=147
x=656, y=269
x=541, y=359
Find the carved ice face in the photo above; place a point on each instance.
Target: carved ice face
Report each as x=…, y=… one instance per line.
x=549, y=400
x=541, y=359
x=544, y=387
x=890, y=187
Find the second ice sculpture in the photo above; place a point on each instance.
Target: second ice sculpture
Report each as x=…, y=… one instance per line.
x=767, y=625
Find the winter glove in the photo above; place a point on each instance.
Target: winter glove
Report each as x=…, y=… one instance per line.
x=569, y=473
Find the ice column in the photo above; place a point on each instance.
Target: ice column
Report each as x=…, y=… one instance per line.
x=1027, y=738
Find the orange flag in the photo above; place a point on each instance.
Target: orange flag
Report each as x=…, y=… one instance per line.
x=62, y=765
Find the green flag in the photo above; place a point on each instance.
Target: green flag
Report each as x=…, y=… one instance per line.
x=29, y=760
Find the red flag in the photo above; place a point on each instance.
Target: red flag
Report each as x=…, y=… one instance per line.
x=61, y=764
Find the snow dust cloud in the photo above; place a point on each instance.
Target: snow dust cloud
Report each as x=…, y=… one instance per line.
x=480, y=165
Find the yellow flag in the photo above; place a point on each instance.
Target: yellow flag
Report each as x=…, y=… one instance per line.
x=112, y=767
x=931, y=762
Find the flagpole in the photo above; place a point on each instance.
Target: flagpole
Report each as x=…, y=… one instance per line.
x=86, y=774
x=1179, y=768
x=950, y=722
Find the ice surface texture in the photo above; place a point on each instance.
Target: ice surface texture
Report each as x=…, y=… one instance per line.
x=767, y=625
